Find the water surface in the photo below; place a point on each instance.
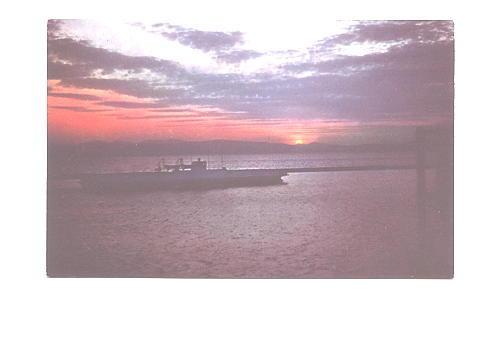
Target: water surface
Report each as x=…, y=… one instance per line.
x=319, y=225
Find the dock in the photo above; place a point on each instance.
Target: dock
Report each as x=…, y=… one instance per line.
x=348, y=168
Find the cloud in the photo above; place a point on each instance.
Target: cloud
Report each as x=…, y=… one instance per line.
x=70, y=58
x=410, y=78
x=236, y=56
x=128, y=104
x=60, y=70
x=148, y=117
x=53, y=28
x=415, y=76
x=75, y=96
x=225, y=47
x=393, y=31
x=133, y=87
x=203, y=40
x=168, y=109
x=79, y=109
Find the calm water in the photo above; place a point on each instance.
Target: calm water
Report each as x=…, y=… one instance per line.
x=343, y=224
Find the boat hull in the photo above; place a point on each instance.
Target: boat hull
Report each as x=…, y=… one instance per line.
x=150, y=181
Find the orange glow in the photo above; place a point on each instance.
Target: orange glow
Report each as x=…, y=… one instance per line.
x=75, y=118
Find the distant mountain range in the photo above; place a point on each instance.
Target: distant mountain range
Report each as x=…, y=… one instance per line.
x=212, y=147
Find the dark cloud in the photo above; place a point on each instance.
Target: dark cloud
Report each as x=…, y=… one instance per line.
x=53, y=27
x=204, y=40
x=79, y=109
x=236, y=56
x=129, y=104
x=60, y=70
x=393, y=31
x=149, y=117
x=75, y=96
x=223, y=45
x=133, y=87
x=167, y=109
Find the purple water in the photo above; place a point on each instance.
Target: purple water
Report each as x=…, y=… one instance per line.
x=319, y=225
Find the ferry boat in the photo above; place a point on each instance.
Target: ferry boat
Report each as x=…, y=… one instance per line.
x=195, y=175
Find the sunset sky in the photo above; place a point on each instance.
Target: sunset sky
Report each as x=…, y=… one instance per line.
x=336, y=82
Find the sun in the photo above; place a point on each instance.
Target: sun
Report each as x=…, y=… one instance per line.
x=299, y=141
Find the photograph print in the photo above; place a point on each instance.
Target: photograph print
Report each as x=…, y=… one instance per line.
x=201, y=150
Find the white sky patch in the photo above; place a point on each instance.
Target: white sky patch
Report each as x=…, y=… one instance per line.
x=268, y=63
x=121, y=74
x=304, y=74
x=361, y=49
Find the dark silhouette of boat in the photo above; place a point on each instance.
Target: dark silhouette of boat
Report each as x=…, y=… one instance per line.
x=181, y=176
